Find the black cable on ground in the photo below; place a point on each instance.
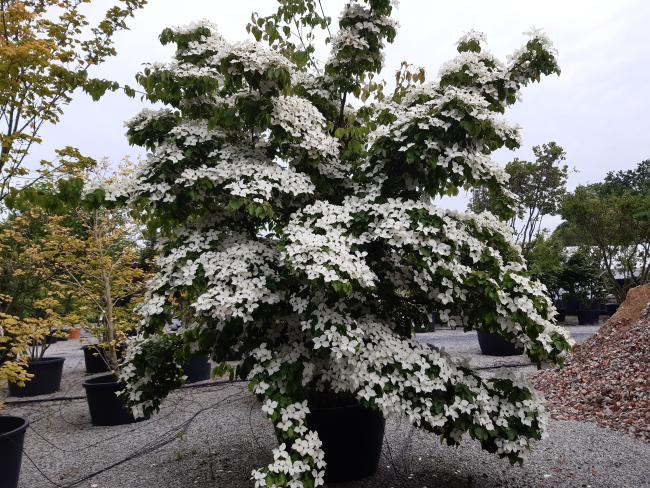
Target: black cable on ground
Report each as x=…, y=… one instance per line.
x=83, y=397
x=161, y=441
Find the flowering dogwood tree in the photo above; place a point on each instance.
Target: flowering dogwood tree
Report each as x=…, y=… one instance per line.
x=302, y=230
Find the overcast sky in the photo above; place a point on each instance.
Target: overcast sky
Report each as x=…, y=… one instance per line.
x=598, y=109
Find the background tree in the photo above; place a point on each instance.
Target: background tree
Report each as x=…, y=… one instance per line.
x=47, y=51
x=79, y=263
x=611, y=217
x=546, y=260
x=581, y=274
x=102, y=267
x=539, y=187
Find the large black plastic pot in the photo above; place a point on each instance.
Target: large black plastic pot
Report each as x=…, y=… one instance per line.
x=197, y=369
x=493, y=344
x=12, y=434
x=612, y=308
x=560, y=316
x=352, y=438
x=588, y=317
x=106, y=408
x=47, y=378
x=93, y=358
x=572, y=305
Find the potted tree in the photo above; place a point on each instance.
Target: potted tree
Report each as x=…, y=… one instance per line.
x=46, y=372
x=33, y=295
x=302, y=231
x=100, y=263
x=15, y=339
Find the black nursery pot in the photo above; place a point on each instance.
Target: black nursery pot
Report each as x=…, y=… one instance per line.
x=352, y=438
x=197, y=369
x=572, y=305
x=94, y=361
x=47, y=378
x=612, y=308
x=106, y=408
x=588, y=317
x=560, y=316
x=12, y=435
x=493, y=344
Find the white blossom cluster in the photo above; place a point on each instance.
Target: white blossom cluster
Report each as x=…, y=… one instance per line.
x=306, y=124
x=361, y=22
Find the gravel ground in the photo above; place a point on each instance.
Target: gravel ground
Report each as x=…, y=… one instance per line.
x=213, y=436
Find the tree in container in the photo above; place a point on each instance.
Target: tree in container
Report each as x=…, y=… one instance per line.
x=301, y=229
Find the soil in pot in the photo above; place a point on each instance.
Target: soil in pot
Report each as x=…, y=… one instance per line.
x=47, y=378
x=493, y=344
x=12, y=435
x=106, y=408
x=588, y=317
x=352, y=437
x=197, y=369
x=93, y=358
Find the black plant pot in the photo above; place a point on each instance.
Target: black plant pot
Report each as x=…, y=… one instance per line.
x=572, y=305
x=235, y=356
x=197, y=369
x=106, y=408
x=493, y=344
x=352, y=438
x=588, y=317
x=560, y=316
x=51, y=339
x=94, y=358
x=12, y=435
x=612, y=308
x=47, y=378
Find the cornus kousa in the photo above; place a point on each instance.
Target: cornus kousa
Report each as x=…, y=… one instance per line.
x=295, y=204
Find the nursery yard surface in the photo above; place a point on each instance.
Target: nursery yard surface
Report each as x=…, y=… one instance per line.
x=214, y=435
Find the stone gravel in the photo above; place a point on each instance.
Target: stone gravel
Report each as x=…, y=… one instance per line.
x=214, y=435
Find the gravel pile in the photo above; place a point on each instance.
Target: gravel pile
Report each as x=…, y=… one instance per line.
x=607, y=379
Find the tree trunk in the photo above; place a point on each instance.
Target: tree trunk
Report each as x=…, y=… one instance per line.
x=110, y=326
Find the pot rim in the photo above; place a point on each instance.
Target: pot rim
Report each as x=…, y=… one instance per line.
x=50, y=359
x=110, y=379
x=22, y=426
x=341, y=407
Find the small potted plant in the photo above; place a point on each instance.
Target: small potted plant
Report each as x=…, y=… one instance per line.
x=97, y=354
x=46, y=371
x=101, y=265
x=15, y=340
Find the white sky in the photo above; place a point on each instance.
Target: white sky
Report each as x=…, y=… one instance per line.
x=598, y=110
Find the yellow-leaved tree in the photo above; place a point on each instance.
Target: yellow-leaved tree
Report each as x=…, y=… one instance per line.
x=47, y=51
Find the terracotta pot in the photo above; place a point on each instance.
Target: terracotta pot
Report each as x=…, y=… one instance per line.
x=74, y=333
